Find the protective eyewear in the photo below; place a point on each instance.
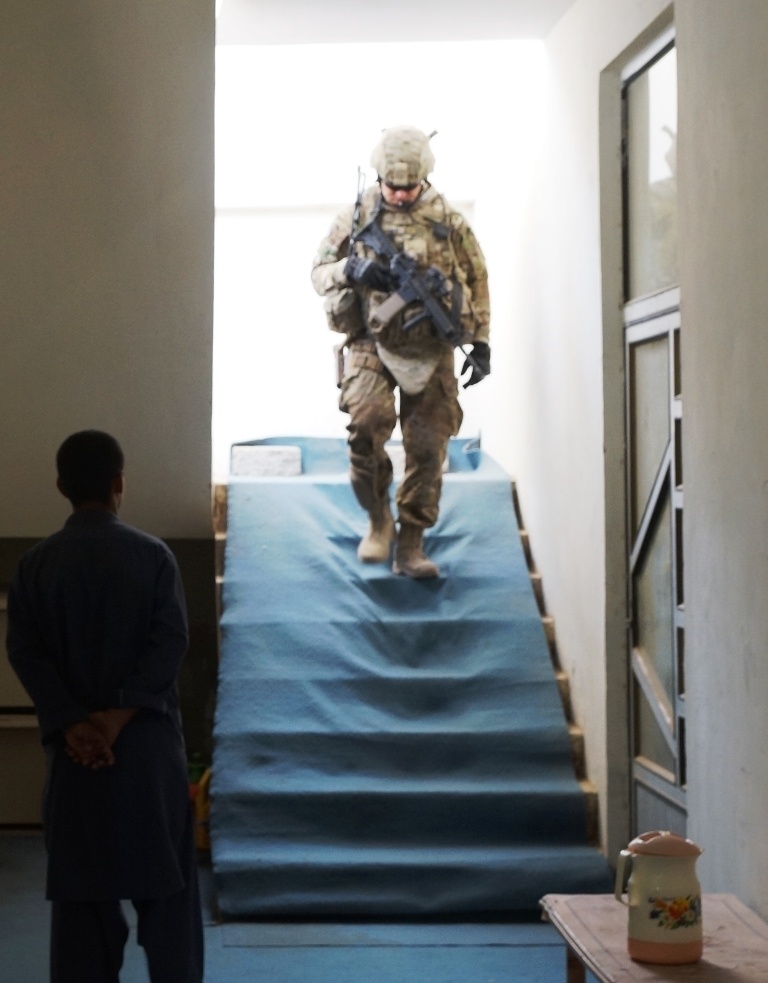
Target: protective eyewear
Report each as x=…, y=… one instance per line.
x=401, y=187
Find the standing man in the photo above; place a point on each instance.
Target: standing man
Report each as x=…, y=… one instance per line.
x=97, y=631
x=397, y=339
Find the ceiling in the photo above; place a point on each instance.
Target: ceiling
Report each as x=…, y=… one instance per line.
x=345, y=21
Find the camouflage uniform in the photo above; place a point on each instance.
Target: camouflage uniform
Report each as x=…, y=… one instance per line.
x=419, y=362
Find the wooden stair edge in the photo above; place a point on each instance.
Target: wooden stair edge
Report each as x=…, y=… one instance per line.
x=219, y=508
x=525, y=540
x=564, y=689
x=516, y=504
x=578, y=751
x=538, y=592
x=548, y=624
x=575, y=731
x=592, y=804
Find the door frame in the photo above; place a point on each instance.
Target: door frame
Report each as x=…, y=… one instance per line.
x=618, y=749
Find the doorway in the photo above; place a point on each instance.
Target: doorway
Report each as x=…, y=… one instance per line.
x=653, y=399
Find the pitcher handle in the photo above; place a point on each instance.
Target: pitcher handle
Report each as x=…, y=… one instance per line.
x=623, y=871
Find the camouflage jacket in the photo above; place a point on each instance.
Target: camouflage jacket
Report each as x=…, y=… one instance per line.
x=431, y=232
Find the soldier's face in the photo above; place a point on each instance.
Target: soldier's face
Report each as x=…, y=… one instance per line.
x=401, y=195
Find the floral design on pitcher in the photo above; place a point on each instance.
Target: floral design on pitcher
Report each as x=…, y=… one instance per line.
x=676, y=912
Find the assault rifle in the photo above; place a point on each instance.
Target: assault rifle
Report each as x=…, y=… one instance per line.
x=427, y=289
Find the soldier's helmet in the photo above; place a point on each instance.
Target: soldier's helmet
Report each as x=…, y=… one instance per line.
x=403, y=156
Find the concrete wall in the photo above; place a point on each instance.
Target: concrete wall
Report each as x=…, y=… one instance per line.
x=106, y=192
x=723, y=84
x=106, y=252
x=569, y=376
x=568, y=465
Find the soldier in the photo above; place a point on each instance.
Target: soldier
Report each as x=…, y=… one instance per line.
x=394, y=342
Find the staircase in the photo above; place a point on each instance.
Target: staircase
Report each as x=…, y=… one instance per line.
x=385, y=747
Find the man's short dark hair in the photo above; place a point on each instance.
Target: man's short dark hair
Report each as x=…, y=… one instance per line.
x=87, y=462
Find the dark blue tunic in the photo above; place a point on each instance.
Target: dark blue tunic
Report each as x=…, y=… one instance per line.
x=97, y=620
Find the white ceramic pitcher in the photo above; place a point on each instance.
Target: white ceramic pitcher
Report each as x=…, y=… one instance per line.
x=658, y=872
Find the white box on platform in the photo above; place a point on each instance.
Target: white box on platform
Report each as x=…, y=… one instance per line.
x=265, y=460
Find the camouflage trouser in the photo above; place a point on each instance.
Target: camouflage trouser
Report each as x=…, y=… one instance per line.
x=427, y=421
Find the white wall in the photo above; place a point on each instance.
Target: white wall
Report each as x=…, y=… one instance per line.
x=724, y=222
x=569, y=468
x=106, y=189
x=286, y=163
x=557, y=383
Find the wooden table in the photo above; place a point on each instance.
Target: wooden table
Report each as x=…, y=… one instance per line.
x=594, y=927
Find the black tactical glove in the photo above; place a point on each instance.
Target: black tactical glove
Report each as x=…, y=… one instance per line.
x=481, y=357
x=368, y=272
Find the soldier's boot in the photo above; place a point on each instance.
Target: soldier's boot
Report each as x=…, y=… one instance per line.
x=376, y=545
x=409, y=555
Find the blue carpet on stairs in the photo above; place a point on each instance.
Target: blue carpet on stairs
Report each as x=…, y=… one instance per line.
x=237, y=952
x=384, y=746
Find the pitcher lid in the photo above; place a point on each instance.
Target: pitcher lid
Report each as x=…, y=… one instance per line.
x=663, y=843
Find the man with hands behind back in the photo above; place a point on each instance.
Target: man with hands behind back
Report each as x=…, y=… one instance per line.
x=97, y=631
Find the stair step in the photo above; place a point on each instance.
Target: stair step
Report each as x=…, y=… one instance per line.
x=564, y=689
x=219, y=547
x=321, y=785
x=387, y=705
x=592, y=806
x=319, y=648
x=304, y=879
x=428, y=818
x=548, y=624
x=220, y=496
x=578, y=753
x=525, y=541
x=538, y=591
x=508, y=755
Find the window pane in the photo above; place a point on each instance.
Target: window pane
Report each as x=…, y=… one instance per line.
x=653, y=604
x=652, y=178
x=650, y=742
x=649, y=423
